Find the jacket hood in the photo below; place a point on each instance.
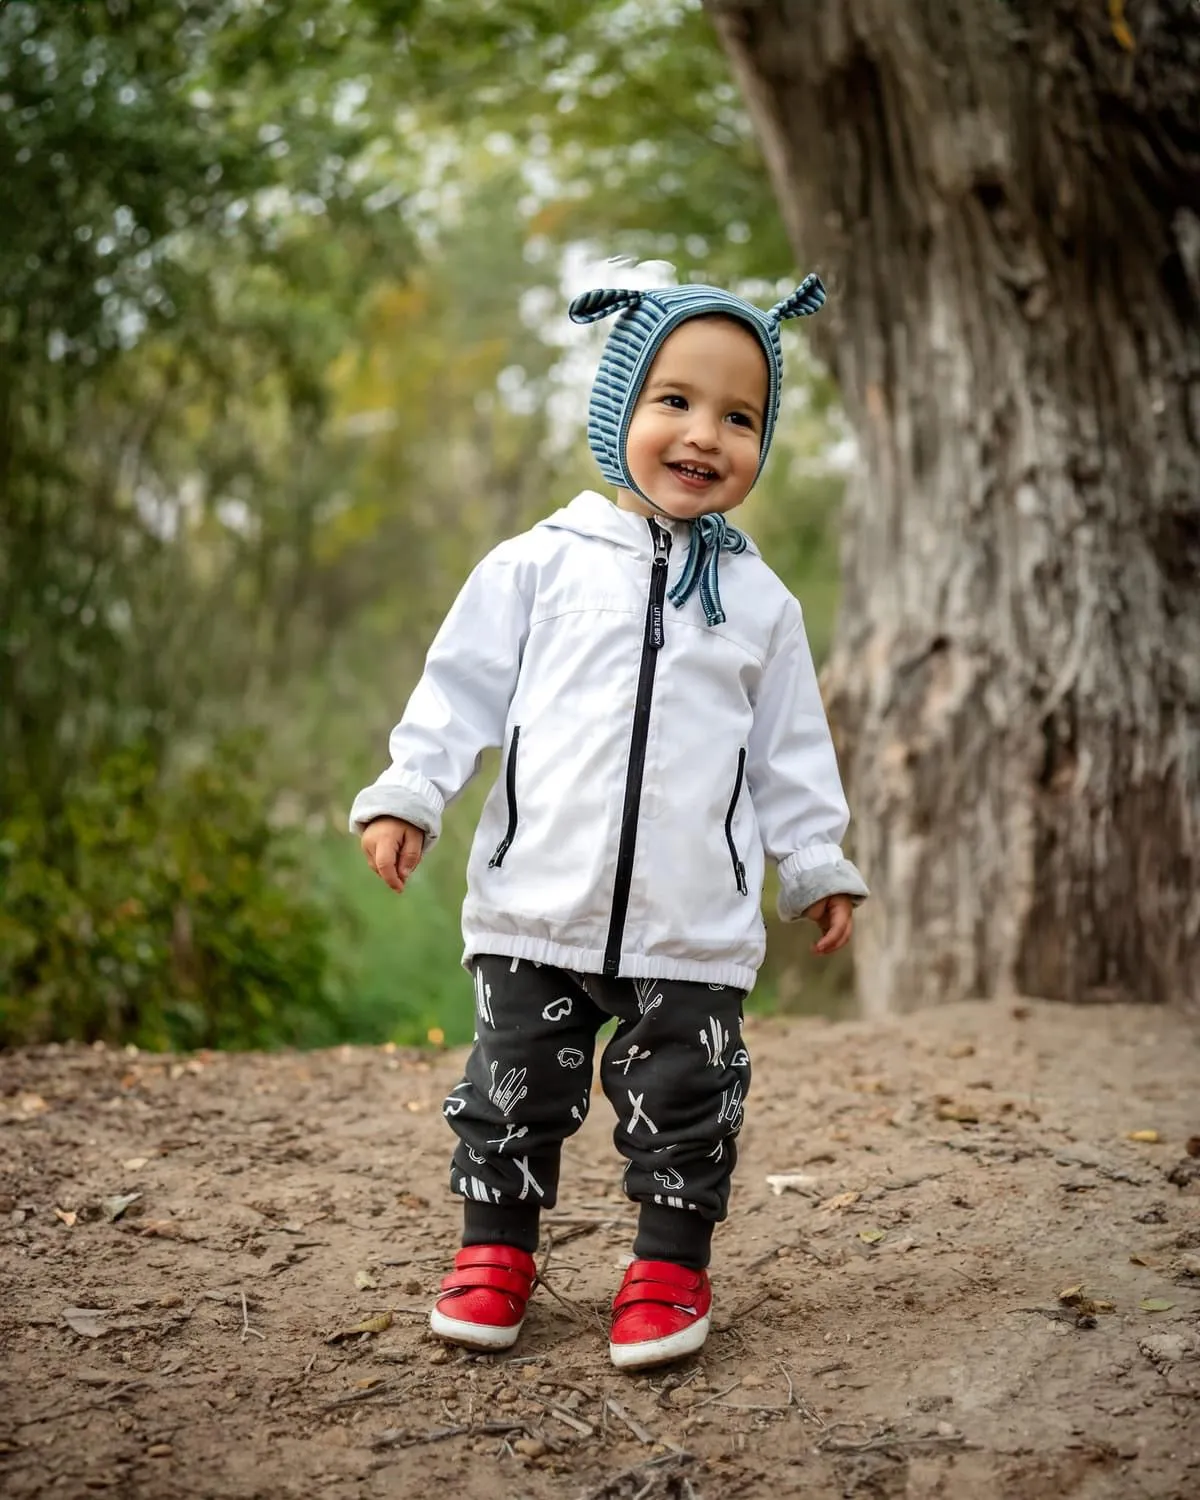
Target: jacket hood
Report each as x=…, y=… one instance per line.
x=593, y=515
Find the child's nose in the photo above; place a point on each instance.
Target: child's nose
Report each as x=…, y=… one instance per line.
x=704, y=430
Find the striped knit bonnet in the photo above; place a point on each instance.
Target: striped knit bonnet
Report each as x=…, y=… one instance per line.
x=647, y=319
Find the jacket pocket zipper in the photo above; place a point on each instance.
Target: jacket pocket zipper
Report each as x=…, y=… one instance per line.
x=739, y=869
x=510, y=787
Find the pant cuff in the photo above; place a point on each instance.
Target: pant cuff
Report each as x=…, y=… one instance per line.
x=500, y=1224
x=679, y=1235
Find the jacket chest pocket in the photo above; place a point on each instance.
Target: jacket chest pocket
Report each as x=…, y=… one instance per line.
x=510, y=792
x=739, y=868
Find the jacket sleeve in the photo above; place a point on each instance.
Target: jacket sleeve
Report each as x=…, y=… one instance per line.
x=794, y=782
x=459, y=707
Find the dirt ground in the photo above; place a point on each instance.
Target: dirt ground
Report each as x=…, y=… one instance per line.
x=888, y=1320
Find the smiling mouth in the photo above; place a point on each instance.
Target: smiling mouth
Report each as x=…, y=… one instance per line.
x=694, y=473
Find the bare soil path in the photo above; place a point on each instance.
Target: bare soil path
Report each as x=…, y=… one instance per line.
x=888, y=1322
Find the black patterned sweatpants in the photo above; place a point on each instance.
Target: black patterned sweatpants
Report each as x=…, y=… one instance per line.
x=676, y=1073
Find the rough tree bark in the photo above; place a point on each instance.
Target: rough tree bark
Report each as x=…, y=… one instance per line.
x=1004, y=197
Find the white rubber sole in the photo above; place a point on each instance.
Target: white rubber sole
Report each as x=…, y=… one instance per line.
x=473, y=1335
x=660, y=1351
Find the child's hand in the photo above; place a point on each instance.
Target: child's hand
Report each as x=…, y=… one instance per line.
x=393, y=849
x=835, y=917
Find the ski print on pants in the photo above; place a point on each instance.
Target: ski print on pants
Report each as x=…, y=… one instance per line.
x=675, y=1072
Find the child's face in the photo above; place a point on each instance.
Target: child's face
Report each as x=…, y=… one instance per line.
x=696, y=430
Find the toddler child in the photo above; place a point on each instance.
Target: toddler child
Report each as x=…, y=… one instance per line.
x=653, y=759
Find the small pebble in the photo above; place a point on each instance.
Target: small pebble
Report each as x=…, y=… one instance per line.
x=530, y=1447
x=440, y=1357
x=159, y=1450
x=170, y=1299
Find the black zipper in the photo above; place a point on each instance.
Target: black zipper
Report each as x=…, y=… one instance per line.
x=652, y=640
x=739, y=869
x=510, y=787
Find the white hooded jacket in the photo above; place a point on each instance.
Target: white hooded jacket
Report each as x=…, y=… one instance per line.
x=651, y=761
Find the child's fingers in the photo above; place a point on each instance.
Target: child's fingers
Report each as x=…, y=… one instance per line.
x=840, y=919
x=411, y=849
x=385, y=857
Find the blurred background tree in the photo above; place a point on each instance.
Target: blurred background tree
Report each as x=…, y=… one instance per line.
x=282, y=353
x=1007, y=197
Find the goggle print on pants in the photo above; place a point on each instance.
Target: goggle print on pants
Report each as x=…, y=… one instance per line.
x=675, y=1072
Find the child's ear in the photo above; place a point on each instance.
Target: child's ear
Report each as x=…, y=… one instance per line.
x=590, y=307
x=808, y=298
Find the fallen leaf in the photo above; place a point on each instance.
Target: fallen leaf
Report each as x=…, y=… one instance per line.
x=378, y=1324
x=115, y=1207
x=364, y=1281
x=162, y=1229
x=872, y=1236
x=66, y=1216
x=1070, y=1295
x=88, y=1322
x=1145, y=1137
x=135, y=1163
x=840, y=1201
x=1155, y=1304
x=965, y=1114
x=436, y=1036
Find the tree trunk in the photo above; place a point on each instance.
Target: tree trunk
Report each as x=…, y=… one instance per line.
x=1003, y=197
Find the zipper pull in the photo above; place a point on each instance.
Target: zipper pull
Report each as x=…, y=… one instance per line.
x=658, y=584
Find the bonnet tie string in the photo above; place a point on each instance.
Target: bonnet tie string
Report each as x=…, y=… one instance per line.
x=711, y=535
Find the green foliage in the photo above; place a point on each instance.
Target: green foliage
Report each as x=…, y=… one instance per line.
x=281, y=355
x=175, y=915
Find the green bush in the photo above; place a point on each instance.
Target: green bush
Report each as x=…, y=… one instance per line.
x=167, y=912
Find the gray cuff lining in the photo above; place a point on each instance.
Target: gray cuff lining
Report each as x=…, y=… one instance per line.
x=839, y=878
x=383, y=801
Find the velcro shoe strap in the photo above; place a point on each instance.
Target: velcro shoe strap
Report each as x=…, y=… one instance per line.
x=498, y=1278
x=670, y=1293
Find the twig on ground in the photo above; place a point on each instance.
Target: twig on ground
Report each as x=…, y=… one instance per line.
x=247, y=1331
x=70, y=1411
x=716, y=1396
x=609, y=1486
x=566, y=1416
x=911, y=1182
x=746, y=1307
x=572, y=1311
x=401, y=1437
x=643, y=1434
x=384, y=1388
x=883, y=1438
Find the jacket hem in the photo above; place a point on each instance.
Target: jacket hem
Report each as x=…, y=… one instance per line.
x=591, y=961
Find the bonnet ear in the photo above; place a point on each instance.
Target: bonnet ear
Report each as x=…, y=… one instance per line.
x=590, y=307
x=808, y=298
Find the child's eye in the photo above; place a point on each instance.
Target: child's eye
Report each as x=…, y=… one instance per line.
x=676, y=403
x=740, y=419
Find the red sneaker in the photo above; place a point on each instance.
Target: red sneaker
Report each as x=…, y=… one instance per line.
x=482, y=1304
x=660, y=1314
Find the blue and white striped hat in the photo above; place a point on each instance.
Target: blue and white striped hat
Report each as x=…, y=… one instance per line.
x=647, y=318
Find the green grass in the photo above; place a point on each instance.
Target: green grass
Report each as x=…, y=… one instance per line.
x=397, y=958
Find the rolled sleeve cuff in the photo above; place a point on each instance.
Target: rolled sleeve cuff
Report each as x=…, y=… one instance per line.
x=414, y=799
x=811, y=874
